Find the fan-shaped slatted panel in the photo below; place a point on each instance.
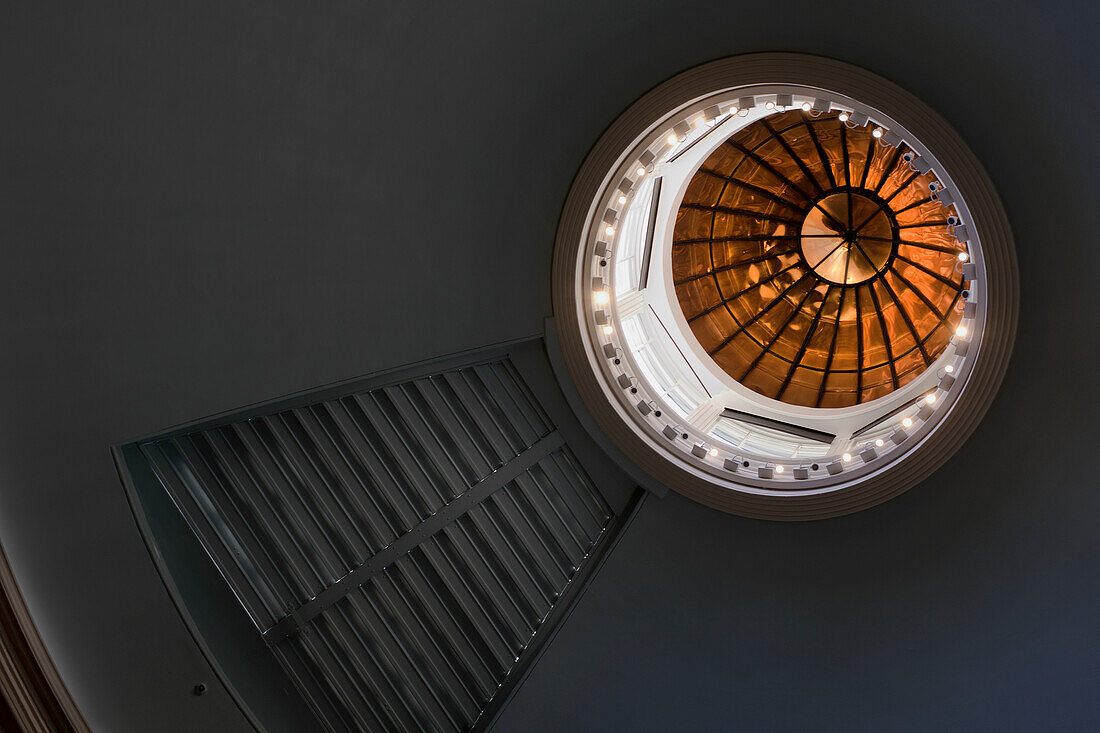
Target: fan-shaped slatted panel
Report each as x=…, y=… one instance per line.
x=812, y=264
x=398, y=547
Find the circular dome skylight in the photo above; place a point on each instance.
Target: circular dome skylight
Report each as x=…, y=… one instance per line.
x=784, y=287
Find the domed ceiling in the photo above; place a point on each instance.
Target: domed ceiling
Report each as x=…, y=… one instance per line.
x=813, y=264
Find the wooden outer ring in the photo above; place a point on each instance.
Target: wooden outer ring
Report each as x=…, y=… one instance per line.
x=986, y=212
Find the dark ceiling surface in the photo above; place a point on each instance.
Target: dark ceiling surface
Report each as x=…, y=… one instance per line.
x=209, y=205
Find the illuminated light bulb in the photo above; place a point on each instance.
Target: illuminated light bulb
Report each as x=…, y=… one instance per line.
x=806, y=106
x=609, y=231
x=672, y=139
x=963, y=257
x=608, y=330
x=769, y=105
x=879, y=442
x=960, y=331
x=602, y=298
x=930, y=399
x=622, y=200
x=779, y=469
x=640, y=171
x=877, y=132
x=949, y=368
x=733, y=110
x=907, y=423
x=700, y=122
x=847, y=457
x=843, y=116
x=713, y=452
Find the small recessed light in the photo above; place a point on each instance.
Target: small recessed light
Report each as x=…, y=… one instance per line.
x=847, y=457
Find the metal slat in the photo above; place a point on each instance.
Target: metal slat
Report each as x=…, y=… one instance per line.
x=494, y=380
x=285, y=534
x=476, y=456
x=481, y=418
x=229, y=556
x=439, y=450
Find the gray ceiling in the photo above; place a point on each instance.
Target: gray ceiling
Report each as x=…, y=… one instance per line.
x=208, y=206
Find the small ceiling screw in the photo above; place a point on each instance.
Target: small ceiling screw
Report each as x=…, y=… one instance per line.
x=200, y=689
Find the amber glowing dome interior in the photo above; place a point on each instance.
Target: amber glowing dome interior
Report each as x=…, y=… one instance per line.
x=812, y=263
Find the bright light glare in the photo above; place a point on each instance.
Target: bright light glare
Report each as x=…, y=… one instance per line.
x=930, y=399
x=877, y=132
x=963, y=257
x=847, y=457
x=608, y=330
x=960, y=331
x=879, y=443
x=949, y=368
x=907, y=423
x=622, y=200
x=713, y=452
x=602, y=297
x=779, y=469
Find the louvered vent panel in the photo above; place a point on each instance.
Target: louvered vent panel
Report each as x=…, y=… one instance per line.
x=398, y=547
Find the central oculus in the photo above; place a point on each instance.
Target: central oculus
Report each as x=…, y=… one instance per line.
x=847, y=238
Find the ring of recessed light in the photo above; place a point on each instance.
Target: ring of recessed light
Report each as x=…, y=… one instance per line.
x=780, y=290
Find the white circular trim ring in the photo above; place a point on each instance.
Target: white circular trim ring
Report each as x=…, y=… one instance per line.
x=858, y=489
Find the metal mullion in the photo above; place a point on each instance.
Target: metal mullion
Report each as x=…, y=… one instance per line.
x=479, y=461
x=760, y=314
x=725, y=301
x=885, y=334
x=832, y=347
x=527, y=401
x=368, y=457
x=435, y=443
x=936, y=275
x=516, y=567
x=358, y=675
x=486, y=576
x=221, y=552
x=505, y=503
x=504, y=398
x=420, y=478
x=380, y=524
x=779, y=332
x=736, y=265
x=252, y=527
x=859, y=343
x=342, y=526
x=530, y=503
x=322, y=520
x=908, y=321
x=433, y=630
x=397, y=649
x=795, y=158
x=481, y=418
x=924, y=298
x=496, y=643
x=496, y=620
x=825, y=162
x=719, y=209
x=746, y=186
x=272, y=515
x=764, y=164
x=805, y=342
